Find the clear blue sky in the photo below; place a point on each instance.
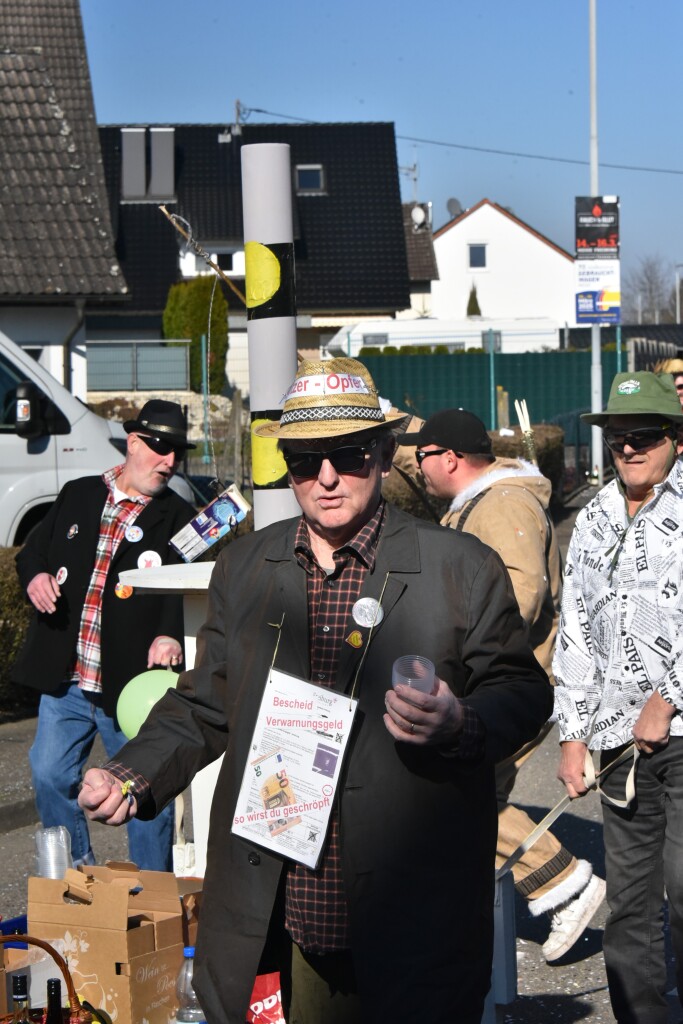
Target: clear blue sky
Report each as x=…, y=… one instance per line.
x=496, y=74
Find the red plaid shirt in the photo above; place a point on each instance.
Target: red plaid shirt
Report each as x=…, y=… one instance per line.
x=117, y=516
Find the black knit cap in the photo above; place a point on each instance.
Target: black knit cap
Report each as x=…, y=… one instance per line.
x=455, y=429
x=161, y=419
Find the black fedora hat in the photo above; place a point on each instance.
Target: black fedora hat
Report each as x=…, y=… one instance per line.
x=161, y=419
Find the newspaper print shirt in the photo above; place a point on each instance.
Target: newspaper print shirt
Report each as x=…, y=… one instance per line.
x=620, y=632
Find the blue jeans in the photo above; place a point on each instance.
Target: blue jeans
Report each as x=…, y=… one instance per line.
x=644, y=855
x=67, y=725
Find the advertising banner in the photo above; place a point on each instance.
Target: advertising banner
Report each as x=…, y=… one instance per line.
x=598, y=291
x=597, y=227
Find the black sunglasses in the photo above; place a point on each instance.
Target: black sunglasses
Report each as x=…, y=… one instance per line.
x=421, y=456
x=161, y=447
x=307, y=465
x=638, y=440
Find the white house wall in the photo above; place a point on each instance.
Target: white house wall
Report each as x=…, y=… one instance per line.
x=523, y=277
x=46, y=328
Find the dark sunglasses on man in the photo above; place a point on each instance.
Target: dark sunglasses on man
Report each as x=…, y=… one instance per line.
x=349, y=459
x=638, y=440
x=161, y=447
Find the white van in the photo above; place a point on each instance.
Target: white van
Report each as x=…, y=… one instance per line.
x=57, y=439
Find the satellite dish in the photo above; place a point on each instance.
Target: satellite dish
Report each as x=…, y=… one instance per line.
x=454, y=207
x=418, y=216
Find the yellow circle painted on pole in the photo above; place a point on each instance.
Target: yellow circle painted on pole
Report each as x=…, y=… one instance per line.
x=267, y=463
x=262, y=273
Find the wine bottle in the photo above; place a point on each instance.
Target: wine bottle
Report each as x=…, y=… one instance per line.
x=20, y=1001
x=53, y=1014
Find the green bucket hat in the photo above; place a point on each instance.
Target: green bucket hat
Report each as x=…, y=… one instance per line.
x=640, y=394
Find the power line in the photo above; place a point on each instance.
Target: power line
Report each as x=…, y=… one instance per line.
x=485, y=149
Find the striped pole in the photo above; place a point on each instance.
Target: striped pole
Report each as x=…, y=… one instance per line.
x=271, y=316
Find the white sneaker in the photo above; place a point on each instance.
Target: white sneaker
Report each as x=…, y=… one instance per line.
x=570, y=920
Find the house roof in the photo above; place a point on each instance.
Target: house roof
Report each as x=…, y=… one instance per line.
x=505, y=213
x=55, y=235
x=349, y=244
x=422, y=264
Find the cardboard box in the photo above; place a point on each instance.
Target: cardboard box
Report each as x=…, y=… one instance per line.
x=121, y=933
x=190, y=890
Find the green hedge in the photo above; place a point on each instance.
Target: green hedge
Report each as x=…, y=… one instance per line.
x=15, y=612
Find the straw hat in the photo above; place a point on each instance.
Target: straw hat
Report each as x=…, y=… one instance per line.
x=330, y=397
x=640, y=394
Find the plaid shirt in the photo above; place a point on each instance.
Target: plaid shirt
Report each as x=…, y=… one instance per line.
x=316, y=908
x=117, y=515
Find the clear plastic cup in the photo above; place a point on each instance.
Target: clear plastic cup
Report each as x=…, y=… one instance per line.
x=413, y=670
x=53, y=851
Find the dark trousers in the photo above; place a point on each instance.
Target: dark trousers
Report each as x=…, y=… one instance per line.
x=644, y=855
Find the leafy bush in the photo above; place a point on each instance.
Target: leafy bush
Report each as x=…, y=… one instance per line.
x=473, y=303
x=187, y=316
x=15, y=701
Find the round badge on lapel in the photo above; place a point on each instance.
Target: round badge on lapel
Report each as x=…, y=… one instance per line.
x=367, y=612
x=123, y=590
x=134, y=534
x=149, y=560
x=72, y=531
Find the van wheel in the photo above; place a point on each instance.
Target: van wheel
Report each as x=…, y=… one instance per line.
x=30, y=524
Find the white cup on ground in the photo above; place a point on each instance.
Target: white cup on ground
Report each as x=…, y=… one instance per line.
x=413, y=670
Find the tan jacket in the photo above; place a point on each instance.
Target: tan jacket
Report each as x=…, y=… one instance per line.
x=511, y=517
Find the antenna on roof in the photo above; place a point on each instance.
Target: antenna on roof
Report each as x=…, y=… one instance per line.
x=412, y=172
x=454, y=207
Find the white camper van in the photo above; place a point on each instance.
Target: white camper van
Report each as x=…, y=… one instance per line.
x=55, y=439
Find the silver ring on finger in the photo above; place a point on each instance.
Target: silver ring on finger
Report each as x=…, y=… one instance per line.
x=412, y=728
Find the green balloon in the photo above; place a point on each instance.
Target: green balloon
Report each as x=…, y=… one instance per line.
x=139, y=696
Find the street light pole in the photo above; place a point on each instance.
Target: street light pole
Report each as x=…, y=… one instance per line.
x=596, y=362
x=678, y=293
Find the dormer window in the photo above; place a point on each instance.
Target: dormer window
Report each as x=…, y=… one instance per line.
x=310, y=179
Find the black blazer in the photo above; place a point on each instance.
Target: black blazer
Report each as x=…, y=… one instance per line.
x=128, y=625
x=417, y=829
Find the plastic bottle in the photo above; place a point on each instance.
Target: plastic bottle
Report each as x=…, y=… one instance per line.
x=189, y=1009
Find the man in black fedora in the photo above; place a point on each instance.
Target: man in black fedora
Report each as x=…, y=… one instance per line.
x=395, y=920
x=89, y=635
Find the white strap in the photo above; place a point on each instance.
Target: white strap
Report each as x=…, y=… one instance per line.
x=591, y=776
x=591, y=779
x=179, y=838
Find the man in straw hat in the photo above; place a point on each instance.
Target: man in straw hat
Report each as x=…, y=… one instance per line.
x=619, y=681
x=396, y=921
x=89, y=635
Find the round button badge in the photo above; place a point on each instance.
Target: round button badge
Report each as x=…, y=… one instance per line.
x=367, y=612
x=149, y=560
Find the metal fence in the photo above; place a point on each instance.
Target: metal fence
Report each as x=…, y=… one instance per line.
x=138, y=365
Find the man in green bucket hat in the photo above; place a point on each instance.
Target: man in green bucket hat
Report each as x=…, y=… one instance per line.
x=619, y=682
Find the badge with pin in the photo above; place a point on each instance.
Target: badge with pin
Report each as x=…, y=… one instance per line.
x=367, y=612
